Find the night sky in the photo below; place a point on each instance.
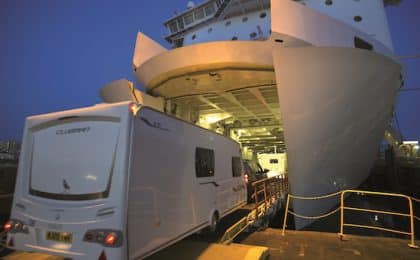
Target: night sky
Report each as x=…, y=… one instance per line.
x=56, y=55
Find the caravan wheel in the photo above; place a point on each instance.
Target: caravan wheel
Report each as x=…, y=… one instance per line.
x=214, y=222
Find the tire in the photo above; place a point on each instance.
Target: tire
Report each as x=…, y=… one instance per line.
x=214, y=223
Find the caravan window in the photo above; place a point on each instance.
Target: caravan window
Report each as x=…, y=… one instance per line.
x=236, y=166
x=274, y=161
x=204, y=162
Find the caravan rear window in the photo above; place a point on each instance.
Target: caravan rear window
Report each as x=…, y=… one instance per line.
x=204, y=162
x=73, y=159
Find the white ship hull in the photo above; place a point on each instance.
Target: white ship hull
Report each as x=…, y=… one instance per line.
x=335, y=103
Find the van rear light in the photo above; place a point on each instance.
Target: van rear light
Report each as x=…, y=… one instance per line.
x=246, y=178
x=105, y=237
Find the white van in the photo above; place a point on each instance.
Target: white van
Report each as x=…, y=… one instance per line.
x=119, y=181
x=275, y=163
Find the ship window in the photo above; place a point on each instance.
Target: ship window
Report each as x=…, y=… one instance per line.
x=180, y=24
x=263, y=15
x=210, y=30
x=244, y=19
x=209, y=9
x=236, y=167
x=362, y=44
x=234, y=38
x=179, y=43
x=173, y=27
x=228, y=23
x=328, y=2
x=199, y=13
x=188, y=19
x=193, y=37
x=204, y=162
x=357, y=18
x=253, y=35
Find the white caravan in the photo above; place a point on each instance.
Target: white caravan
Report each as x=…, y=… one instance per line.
x=119, y=181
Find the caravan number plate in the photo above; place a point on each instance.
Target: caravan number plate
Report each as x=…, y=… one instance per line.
x=64, y=237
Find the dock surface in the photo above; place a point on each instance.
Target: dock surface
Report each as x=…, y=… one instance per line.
x=321, y=245
x=294, y=245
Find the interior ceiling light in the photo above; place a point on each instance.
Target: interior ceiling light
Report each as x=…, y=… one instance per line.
x=213, y=118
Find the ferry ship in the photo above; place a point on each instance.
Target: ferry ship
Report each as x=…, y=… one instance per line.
x=315, y=79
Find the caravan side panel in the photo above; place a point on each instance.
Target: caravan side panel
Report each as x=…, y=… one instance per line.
x=160, y=186
x=167, y=199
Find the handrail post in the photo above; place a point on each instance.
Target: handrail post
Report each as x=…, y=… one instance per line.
x=285, y=214
x=256, y=201
x=342, y=214
x=412, y=243
x=265, y=196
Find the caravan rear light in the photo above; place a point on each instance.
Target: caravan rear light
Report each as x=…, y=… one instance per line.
x=88, y=236
x=111, y=239
x=15, y=226
x=134, y=108
x=100, y=237
x=8, y=226
x=105, y=237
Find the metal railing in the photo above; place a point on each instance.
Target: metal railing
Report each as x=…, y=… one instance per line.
x=343, y=207
x=272, y=189
x=410, y=215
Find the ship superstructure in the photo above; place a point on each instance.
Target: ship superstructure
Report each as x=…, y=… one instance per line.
x=313, y=78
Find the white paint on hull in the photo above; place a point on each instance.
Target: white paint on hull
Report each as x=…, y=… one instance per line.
x=335, y=104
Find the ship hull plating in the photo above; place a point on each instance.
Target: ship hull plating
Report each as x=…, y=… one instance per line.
x=335, y=103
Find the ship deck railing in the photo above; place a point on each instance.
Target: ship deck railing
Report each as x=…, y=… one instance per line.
x=344, y=207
